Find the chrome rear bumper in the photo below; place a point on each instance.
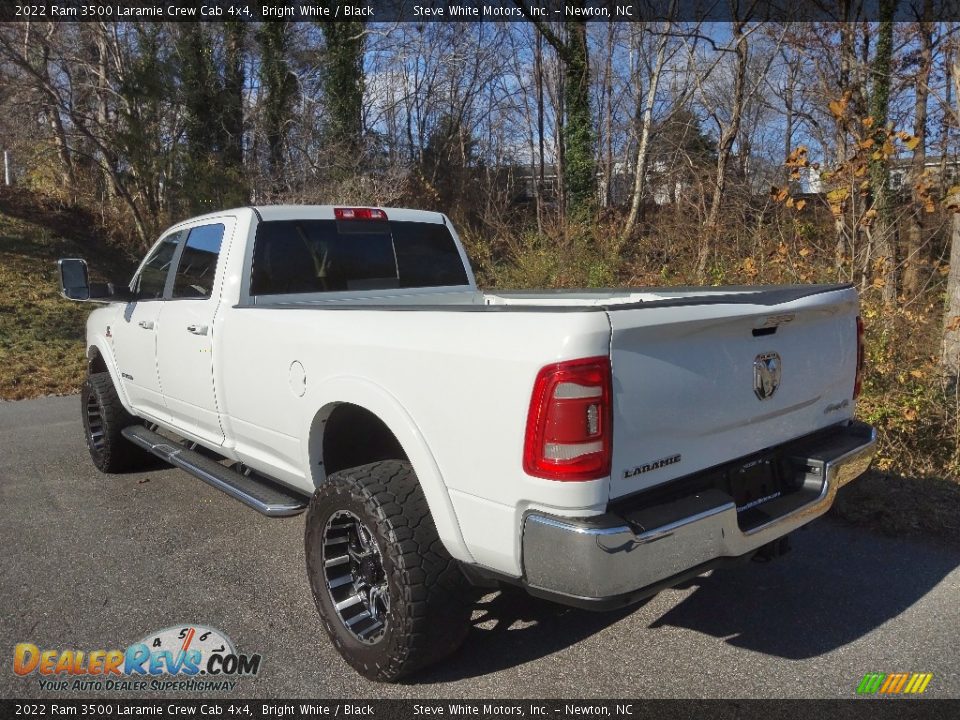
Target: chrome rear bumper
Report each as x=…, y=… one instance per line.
x=612, y=560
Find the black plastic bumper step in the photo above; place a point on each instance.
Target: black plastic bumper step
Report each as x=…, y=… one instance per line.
x=261, y=494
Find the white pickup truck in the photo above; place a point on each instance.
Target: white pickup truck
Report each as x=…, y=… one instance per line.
x=592, y=447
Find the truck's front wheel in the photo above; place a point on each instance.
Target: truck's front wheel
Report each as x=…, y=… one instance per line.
x=391, y=598
x=104, y=417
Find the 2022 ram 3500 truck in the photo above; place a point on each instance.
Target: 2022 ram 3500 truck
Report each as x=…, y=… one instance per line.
x=591, y=447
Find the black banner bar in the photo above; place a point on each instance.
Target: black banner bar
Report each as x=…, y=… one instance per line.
x=464, y=10
x=234, y=709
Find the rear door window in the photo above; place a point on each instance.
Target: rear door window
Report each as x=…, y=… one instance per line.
x=311, y=256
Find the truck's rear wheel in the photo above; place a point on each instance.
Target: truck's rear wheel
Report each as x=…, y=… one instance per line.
x=391, y=598
x=104, y=417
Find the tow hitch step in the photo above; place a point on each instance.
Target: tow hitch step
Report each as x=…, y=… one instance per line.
x=261, y=494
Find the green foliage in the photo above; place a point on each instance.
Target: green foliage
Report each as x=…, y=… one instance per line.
x=578, y=136
x=280, y=88
x=581, y=255
x=211, y=91
x=343, y=83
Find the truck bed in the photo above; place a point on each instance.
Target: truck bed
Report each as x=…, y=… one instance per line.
x=575, y=300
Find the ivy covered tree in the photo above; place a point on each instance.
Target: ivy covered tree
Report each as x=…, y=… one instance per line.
x=279, y=90
x=343, y=84
x=211, y=89
x=578, y=151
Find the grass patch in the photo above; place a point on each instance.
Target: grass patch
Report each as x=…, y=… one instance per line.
x=899, y=506
x=41, y=334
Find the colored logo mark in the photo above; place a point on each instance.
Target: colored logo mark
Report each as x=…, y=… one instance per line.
x=894, y=683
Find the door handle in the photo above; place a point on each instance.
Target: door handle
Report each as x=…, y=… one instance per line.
x=197, y=329
x=146, y=324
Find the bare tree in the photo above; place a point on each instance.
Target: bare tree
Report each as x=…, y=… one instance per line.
x=950, y=347
x=915, y=241
x=646, y=124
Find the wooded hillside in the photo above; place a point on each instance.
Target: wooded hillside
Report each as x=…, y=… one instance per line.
x=598, y=153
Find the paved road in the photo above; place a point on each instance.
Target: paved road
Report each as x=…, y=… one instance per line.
x=97, y=562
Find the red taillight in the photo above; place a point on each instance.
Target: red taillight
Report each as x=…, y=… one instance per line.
x=359, y=214
x=861, y=357
x=570, y=421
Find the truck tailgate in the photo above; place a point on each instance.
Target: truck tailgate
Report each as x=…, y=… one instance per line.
x=695, y=383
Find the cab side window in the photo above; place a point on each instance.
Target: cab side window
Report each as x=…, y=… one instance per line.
x=152, y=279
x=198, y=262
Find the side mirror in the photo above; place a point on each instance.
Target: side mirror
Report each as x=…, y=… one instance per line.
x=74, y=281
x=75, y=284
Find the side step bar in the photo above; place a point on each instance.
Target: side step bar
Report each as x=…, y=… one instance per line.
x=259, y=493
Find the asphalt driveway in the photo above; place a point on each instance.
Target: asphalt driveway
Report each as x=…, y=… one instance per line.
x=98, y=562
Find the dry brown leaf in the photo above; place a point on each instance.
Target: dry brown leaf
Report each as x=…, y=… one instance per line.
x=838, y=107
x=800, y=204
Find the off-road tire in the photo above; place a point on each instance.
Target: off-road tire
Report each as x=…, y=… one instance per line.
x=104, y=417
x=429, y=610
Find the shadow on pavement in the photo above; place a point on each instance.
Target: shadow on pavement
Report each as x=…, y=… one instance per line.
x=511, y=628
x=838, y=584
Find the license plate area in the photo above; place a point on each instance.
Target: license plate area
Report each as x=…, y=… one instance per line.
x=752, y=485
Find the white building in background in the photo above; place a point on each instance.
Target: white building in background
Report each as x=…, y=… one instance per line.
x=900, y=170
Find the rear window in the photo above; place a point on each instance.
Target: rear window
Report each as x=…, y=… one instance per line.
x=309, y=256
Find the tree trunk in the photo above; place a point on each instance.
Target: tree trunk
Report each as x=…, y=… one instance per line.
x=950, y=348
x=728, y=134
x=915, y=254
x=280, y=89
x=885, y=229
x=233, y=82
x=576, y=151
x=608, y=119
x=539, y=179
x=67, y=172
x=580, y=170
x=643, y=145
x=950, y=351
x=343, y=86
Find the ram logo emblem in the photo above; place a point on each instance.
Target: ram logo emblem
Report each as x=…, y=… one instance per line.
x=766, y=375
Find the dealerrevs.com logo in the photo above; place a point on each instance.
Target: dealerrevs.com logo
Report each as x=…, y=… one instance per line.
x=184, y=657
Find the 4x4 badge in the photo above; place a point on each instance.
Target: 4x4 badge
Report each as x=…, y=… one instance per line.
x=766, y=374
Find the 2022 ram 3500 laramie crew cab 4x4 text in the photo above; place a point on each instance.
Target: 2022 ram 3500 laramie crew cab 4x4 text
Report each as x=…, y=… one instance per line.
x=591, y=447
